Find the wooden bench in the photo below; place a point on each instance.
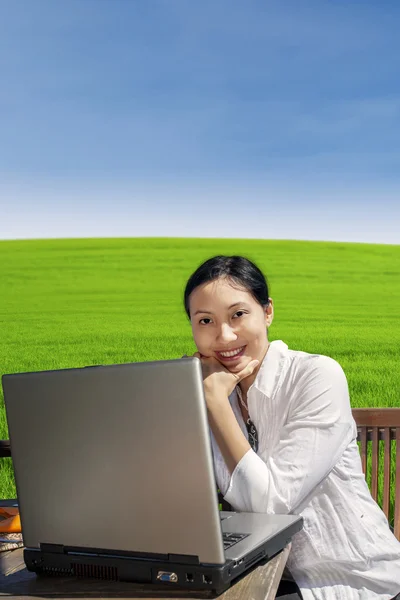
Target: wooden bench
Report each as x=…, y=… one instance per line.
x=376, y=426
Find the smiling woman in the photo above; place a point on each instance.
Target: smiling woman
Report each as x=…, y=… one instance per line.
x=284, y=438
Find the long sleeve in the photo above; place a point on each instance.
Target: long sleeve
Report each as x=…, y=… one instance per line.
x=318, y=428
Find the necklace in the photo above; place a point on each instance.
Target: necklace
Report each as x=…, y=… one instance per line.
x=251, y=429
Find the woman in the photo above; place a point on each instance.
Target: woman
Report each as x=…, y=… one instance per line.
x=284, y=439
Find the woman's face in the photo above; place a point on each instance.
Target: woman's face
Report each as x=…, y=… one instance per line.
x=227, y=319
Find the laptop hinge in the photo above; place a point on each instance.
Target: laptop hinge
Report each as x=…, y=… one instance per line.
x=53, y=548
x=184, y=558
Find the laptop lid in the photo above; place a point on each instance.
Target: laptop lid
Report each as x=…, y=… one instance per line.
x=115, y=457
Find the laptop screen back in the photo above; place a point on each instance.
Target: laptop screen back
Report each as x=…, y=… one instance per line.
x=115, y=457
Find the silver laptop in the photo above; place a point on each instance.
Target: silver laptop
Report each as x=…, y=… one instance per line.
x=115, y=478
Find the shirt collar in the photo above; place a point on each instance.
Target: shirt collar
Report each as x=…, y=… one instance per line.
x=271, y=368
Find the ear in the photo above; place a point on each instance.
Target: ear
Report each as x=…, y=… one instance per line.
x=269, y=313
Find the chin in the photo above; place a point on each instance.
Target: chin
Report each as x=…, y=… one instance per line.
x=235, y=369
x=239, y=366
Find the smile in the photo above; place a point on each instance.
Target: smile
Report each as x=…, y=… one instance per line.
x=232, y=353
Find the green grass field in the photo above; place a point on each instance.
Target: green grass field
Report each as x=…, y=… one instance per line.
x=71, y=303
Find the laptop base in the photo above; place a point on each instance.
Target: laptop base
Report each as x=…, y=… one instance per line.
x=111, y=567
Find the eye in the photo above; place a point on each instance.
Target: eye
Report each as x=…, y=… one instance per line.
x=239, y=313
x=202, y=321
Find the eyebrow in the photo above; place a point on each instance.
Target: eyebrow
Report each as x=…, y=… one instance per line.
x=207, y=312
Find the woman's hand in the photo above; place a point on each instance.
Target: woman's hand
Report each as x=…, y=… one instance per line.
x=218, y=382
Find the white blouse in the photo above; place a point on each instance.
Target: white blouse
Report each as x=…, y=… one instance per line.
x=308, y=463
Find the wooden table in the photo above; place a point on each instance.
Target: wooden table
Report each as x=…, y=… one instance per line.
x=16, y=582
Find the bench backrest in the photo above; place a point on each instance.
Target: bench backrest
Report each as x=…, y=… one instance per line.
x=379, y=437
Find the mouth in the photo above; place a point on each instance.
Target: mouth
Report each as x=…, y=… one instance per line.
x=231, y=355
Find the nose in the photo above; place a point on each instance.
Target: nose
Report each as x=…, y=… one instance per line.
x=226, y=334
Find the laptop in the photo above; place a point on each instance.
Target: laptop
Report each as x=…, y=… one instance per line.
x=115, y=478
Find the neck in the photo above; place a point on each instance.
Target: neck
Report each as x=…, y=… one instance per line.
x=246, y=383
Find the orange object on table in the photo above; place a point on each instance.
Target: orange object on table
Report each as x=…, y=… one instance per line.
x=11, y=522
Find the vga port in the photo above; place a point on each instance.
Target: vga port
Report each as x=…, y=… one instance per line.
x=167, y=576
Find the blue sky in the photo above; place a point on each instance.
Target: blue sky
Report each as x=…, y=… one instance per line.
x=254, y=119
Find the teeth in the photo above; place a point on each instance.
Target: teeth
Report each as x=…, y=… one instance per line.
x=230, y=354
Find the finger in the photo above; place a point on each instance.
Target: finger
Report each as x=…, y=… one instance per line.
x=248, y=370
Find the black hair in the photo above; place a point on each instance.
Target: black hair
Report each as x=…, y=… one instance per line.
x=238, y=269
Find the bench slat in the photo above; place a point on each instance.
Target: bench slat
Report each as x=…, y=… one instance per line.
x=386, y=473
x=397, y=488
x=375, y=464
x=5, y=449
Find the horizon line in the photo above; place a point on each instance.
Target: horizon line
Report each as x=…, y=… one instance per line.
x=174, y=237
